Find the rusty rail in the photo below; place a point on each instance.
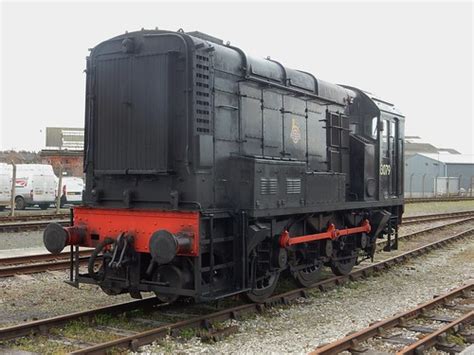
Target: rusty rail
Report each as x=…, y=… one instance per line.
x=35, y=263
x=438, y=199
x=33, y=217
x=135, y=341
x=29, y=226
x=351, y=341
x=435, y=217
x=432, y=339
x=30, y=264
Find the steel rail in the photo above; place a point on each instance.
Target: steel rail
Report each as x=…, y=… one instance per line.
x=28, y=226
x=33, y=217
x=399, y=319
x=30, y=264
x=382, y=243
x=435, y=217
x=41, y=326
x=46, y=257
x=437, y=199
x=38, y=267
x=45, y=217
x=137, y=340
x=133, y=342
x=57, y=262
x=431, y=339
x=39, y=222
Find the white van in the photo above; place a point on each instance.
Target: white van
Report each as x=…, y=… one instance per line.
x=72, y=190
x=5, y=185
x=35, y=185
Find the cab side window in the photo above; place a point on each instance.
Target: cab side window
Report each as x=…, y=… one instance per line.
x=384, y=139
x=392, y=139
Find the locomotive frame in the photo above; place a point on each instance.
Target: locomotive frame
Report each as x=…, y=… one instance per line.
x=209, y=173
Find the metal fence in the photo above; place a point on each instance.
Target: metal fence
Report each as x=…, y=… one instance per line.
x=425, y=186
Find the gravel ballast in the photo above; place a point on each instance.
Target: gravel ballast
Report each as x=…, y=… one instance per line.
x=298, y=328
x=19, y=240
x=30, y=297
x=328, y=316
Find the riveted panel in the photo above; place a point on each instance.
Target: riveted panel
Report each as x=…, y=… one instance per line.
x=251, y=120
x=317, y=154
x=272, y=124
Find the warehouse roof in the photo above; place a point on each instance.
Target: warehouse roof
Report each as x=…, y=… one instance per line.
x=413, y=148
x=451, y=158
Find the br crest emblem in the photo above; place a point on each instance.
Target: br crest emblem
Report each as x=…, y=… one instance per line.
x=295, y=134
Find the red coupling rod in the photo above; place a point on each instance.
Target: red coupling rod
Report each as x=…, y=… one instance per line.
x=330, y=233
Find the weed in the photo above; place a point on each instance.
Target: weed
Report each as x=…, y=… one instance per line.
x=187, y=333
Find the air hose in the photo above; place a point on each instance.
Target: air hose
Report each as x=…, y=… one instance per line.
x=94, y=255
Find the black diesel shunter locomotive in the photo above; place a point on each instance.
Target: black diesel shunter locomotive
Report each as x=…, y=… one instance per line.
x=210, y=173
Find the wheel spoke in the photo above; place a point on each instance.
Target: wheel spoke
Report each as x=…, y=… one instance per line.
x=343, y=263
x=263, y=288
x=309, y=275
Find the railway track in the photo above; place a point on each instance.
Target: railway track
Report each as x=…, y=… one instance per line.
x=416, y=330
x=383, y=243
x=31, y=222
x=33, y=217
x=435, y=217
x=439, y=199
x=39, y=222
x=30, y=225
x=30, y=264
x=204, y=322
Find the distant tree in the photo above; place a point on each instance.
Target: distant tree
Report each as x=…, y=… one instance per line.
x=20, y=157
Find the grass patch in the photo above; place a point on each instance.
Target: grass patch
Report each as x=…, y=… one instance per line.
x=38, y=344
x=352, y=285
x=80, y=330
x=188, y=333
x=455, y=339
x=438, y=207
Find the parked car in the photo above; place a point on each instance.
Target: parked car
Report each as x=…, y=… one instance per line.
x=72, y=190
x=5, y=185
x=35, y=185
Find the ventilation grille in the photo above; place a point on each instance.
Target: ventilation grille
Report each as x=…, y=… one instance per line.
x=293, y=186
x=203, y=94
x=268, y=186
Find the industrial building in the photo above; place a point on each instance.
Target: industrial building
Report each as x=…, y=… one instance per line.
x=438, y=174
x=70, y=161
x=415, y=144
x=64, y=150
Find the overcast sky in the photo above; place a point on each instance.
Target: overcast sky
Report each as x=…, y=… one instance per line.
x=416, y=55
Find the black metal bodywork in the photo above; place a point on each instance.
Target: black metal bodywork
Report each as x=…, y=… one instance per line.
x=181, y=121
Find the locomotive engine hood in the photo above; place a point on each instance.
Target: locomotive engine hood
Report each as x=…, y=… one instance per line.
x=141, y=128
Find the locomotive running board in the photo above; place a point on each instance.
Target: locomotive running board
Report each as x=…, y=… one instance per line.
x=331, y=233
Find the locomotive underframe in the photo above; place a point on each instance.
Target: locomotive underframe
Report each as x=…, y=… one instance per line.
x=236, y=252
